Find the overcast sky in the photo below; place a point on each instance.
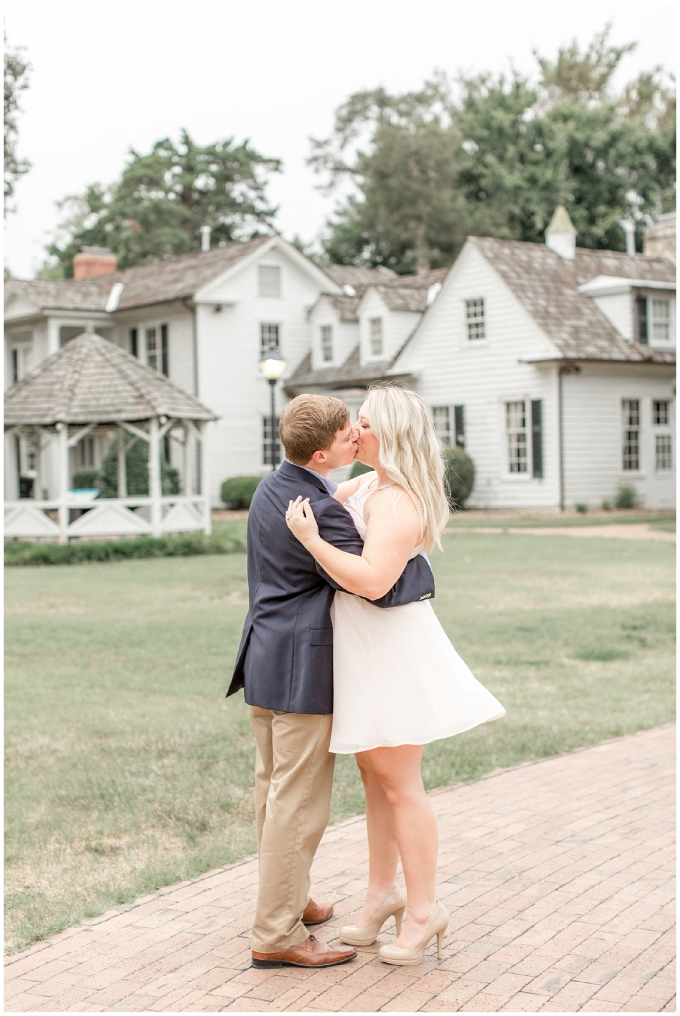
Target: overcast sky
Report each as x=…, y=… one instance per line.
x=110, y=76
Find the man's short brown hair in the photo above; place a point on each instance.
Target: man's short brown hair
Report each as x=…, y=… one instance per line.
x=309, y=424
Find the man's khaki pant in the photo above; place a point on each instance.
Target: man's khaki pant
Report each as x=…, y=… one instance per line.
x=293, y=783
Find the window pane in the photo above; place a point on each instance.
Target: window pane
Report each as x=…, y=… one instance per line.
x=266, y=441
x=441, y=416
x=661, y=319
x=269, y=279
x=631, y=449
x=375, y=325
x=474, y=312
x=660, y=412
x=151, y=351
x=663, y=451
x=269, y=338
x=327, y=343
x=516, y=426
x=631, y=412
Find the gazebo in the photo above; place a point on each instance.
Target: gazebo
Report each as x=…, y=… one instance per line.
x=89, y=387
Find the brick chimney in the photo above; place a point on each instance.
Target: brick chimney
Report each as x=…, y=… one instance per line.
x=93, y=261
x=660, y=238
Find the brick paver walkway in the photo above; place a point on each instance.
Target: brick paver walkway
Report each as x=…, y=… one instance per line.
x=558, y=877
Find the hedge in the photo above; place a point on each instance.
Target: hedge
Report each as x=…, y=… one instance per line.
x=237, y=492
x=459, y=477
x=187, y=545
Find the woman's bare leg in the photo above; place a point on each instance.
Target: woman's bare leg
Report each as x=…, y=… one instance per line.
x=383, y=852
x=396, y=772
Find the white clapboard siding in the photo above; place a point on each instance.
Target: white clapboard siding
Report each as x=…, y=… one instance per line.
x=396, y=327
x=593, y=460
x=483, y=375
x=228, y=353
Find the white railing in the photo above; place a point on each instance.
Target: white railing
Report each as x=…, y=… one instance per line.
x=106, y=517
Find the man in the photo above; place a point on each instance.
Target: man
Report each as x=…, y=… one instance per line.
x=285, y=664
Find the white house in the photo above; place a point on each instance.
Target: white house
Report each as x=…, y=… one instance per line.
x=554, y=367
x=202, y=319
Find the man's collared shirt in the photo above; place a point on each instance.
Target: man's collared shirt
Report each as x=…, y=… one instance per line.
x=330, y=485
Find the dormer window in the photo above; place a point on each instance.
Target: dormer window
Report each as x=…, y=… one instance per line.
x=376, y=336
x=327, y=343
x=474, y=314
x=654, y=320
x=269, y=280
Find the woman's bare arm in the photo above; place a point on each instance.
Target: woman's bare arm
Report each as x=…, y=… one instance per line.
x=393, y=531
x=349, y=487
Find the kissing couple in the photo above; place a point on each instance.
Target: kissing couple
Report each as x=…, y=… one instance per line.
x=342, y=653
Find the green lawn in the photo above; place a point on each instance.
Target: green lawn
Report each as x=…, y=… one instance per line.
x=126, y=768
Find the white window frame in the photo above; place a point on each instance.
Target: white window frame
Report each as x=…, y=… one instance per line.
x=475, y=320
x=663, y=435
x=662, y=321
x=443, y=424
x=373, y=338
x=266, y=441
x=265, y=289
x=269, y=348
x=627, y=428
x=516, y=431
x=21, y=355
x=326, y=343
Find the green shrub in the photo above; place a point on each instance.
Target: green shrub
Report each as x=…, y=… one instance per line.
x=626, y=497
x=581, y=508
x=606, y=505
x=136, y=472
x=358, y=469
x=86, y=479
x=459, y=477
x=183, y=545
x=237, y=492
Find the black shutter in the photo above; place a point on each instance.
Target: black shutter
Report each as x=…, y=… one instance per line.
x=134, y=348
x=459, y=425
x=165, y=360
x=537, y=438
x=641, y=305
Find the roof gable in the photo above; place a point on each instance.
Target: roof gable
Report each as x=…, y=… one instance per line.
x=548, y=287
x=206, y=293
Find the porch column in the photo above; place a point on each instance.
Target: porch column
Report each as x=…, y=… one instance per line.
x=63, y=484
x=122, y=476
x=155, y=491
x=205, y=479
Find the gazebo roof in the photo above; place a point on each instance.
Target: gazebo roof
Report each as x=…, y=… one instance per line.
x=91, y=380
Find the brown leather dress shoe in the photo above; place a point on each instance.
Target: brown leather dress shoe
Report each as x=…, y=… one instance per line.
x=316, y=913
x=309, y=953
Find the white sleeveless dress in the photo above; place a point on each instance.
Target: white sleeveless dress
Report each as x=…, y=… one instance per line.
x=397, y=678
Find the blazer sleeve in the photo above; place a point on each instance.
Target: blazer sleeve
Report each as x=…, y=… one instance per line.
x=337, y=528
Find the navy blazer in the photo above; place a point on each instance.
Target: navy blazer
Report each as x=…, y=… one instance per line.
x=285, y=660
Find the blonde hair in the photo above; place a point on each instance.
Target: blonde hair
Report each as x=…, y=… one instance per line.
x=411, y=454
x=309, y=424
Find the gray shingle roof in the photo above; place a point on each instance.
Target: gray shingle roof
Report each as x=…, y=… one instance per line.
x=359, y=278
x=91, y=380
x=546, y=285
x=177, y=278
x=352, y=373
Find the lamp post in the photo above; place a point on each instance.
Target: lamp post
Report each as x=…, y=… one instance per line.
x=272, y=366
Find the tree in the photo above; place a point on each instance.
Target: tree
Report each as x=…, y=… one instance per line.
x=158, y=206
x=407, y=212
x=16, y=81
x=429, y=169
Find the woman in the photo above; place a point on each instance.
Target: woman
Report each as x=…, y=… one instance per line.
x=398, y=681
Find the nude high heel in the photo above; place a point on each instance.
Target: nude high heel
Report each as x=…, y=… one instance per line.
x=410, y=957
x=393, y=904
